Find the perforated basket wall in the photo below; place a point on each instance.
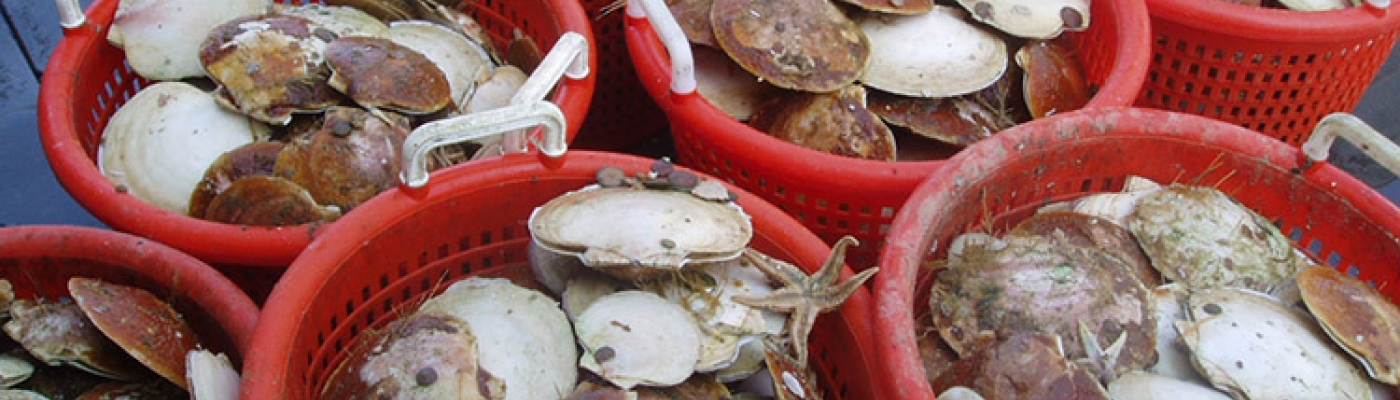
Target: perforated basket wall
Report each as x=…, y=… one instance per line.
x=996, y=183
x=621, y=117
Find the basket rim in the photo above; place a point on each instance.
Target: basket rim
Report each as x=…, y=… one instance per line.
x=165, y=266
x=253, y=246
x=271, y=346
x=1122, y=86
x=1277, y=25
x=909, y=239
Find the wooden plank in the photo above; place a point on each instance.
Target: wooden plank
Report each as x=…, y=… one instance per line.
x=36, y=23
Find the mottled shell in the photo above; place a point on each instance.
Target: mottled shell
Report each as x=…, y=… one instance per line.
x=1090, y=231
x=1046, y=283
x=267, y=201
x=161, y=39
x=727, y=86
x=251, y=159
x=1254, y=347
x=523, y=338
x=465, y=63
x=1025, y=365
x=1140, y=385
x=958, y=121
x=633, y=338
x=158, y=145
x=1357, y=317
x=1203, y=238
x=1031, y=19
x=935, y=54
x=354, y=156
x=837, y=123
x=420, y=356
x=145, y=326
x=638, y=232
x=341, y=20
x=806, y=45
x=707, y=291
x=1054, y=79
x=270, y=66
x=59, y=333
x=380, y=73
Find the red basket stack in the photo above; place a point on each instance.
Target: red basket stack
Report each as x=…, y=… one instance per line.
x=621, y=117
x=471, y=220
x=1271, y=70
x=39, y=259
x=996, y=183
x=836, y=196
x=88, y=79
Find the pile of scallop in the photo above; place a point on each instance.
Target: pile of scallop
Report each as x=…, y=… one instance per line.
x=856, y=76
x=1155, y=292
x=106, y=341
x=271, y=114
x=1301, y=5
x=642, y=287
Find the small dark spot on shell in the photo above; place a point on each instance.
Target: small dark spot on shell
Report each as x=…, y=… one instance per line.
x=610, y=176
x=122, y=189
x=425, y=376
x=1212, y=309
x=604, y=354
x=622, y=326
x=1239, y=364
x=1073, y=19
x=683, y=180
x=662, y=167
x=982, y=10
x=668, y=244
x=325, y=34
x=341, y=128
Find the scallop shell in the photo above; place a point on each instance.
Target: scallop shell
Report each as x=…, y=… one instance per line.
x=639, y=232
x=267, y=201
x=270, y=66
x=251, y=159
x=353, y=157
x=465, y=63
x=894, y=6
x=381, y=73
x=636, y=338
x=806, y=45
x=1025, y=365
x=958, y=121
x=1054, y=79
x=1357, y=317
x=211, y=376
x=694, y=18
x=342, y=20
x=728, y=86
x=148, y=328
x=1173, y=357
x=420, y=356
x=936, y=54
x=1140, y=385
x=1254, y=347
x=161, y=39
x=836, y=123
x=14, y=370
x=1031, y=19
x=59, y=333
x=1315, y=5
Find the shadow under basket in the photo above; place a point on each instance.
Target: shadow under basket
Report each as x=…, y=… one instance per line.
x=470, y=220
x=995, y=184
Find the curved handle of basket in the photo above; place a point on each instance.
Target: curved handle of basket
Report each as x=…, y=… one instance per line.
x=1358, y=133
x=70, y=14
x=1378, y=3
x=476, y=126
x=568, y=57
x=682, y=61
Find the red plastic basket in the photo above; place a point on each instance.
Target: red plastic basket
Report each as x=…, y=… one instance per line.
x=470, y=220
x=39, y=259
x=997, y=183
x=87, y=80
x=621, y=116
x=837, y=196
x=1270, y=70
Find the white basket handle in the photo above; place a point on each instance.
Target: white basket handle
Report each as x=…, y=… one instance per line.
x=476, y=126
x=568, y=57
x=70, y=14
x=1358, y=133
x=682, y=61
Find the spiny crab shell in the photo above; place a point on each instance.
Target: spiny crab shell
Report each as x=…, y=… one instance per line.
x=636, y=232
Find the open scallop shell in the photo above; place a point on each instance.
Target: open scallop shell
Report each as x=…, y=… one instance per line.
x=936, y=54
x=807, y=45
x=636, y=338
x=251, y=159
x=59, y=333
x=267, y=201
x=1173, y=357
x=1031, y=19
x=638, y=232
x=837, y=123
x=161, y=39
x=1254, y=347
x=1357, y=317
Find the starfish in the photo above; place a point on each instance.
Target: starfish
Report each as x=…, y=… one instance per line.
x=804, y=297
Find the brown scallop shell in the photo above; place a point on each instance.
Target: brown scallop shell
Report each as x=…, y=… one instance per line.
x=147, y=327
x=1025, y=365
x=958, y=121
x=893, y=6
x=267, y=201
x=354, y=156
x=1054, y=80
x=379, y=73
x=1086, y=230
x=836, y=123
x=806, y=45
x=269, y=66
x=256, y=158
x=1357, y=317
x=694, y=18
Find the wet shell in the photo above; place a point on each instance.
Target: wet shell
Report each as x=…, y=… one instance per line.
x=269, y=67
x=957, y=121
x=420, y=356
x=59, y=333
x=354, y=156
x=1031, y=19
x=1357, y=317
x=463, y=62
x=1139, y=385
x=161, y=39
x=158, y=145
x=694, y=18
x=1254, y=347
x=636, y=338
x=523, y=338
x=1025, y=365
x=637, y=232
x=252, y=159
x=379, y=73
x=727, y=86
x=837, y=123
x=1054, y=79
x=145, y=326
x=342, y=20
x=806, y=45
x=1203, y=238
x=267, y=201
x=936, y=54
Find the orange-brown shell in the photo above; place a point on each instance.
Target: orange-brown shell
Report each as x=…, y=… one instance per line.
x=145, y=326
x=806, y=45
x=836, y=123
x=957, y=121
x=354, y=156
x=694, y=18
x=1054, y=80
x=1356, y=316
x=269, y=66
x=894, y=6
x=1023, y=366
x=1086, y=230
x=379, y=73
x=256, y=158
x=267, y=201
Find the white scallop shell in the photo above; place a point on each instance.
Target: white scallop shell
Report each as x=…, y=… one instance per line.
x=936, y=54
x=633, y=338
x=1140, y=385
x=1031, y=19
x=1173, y=357
x=211, y=376
x=1315, y=5
x=162, y=38
x=343, y=20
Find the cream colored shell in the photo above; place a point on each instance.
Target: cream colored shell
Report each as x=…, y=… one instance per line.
x=162, y=38
x=633, y=338
x=1031, y=19
x=937, y=54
